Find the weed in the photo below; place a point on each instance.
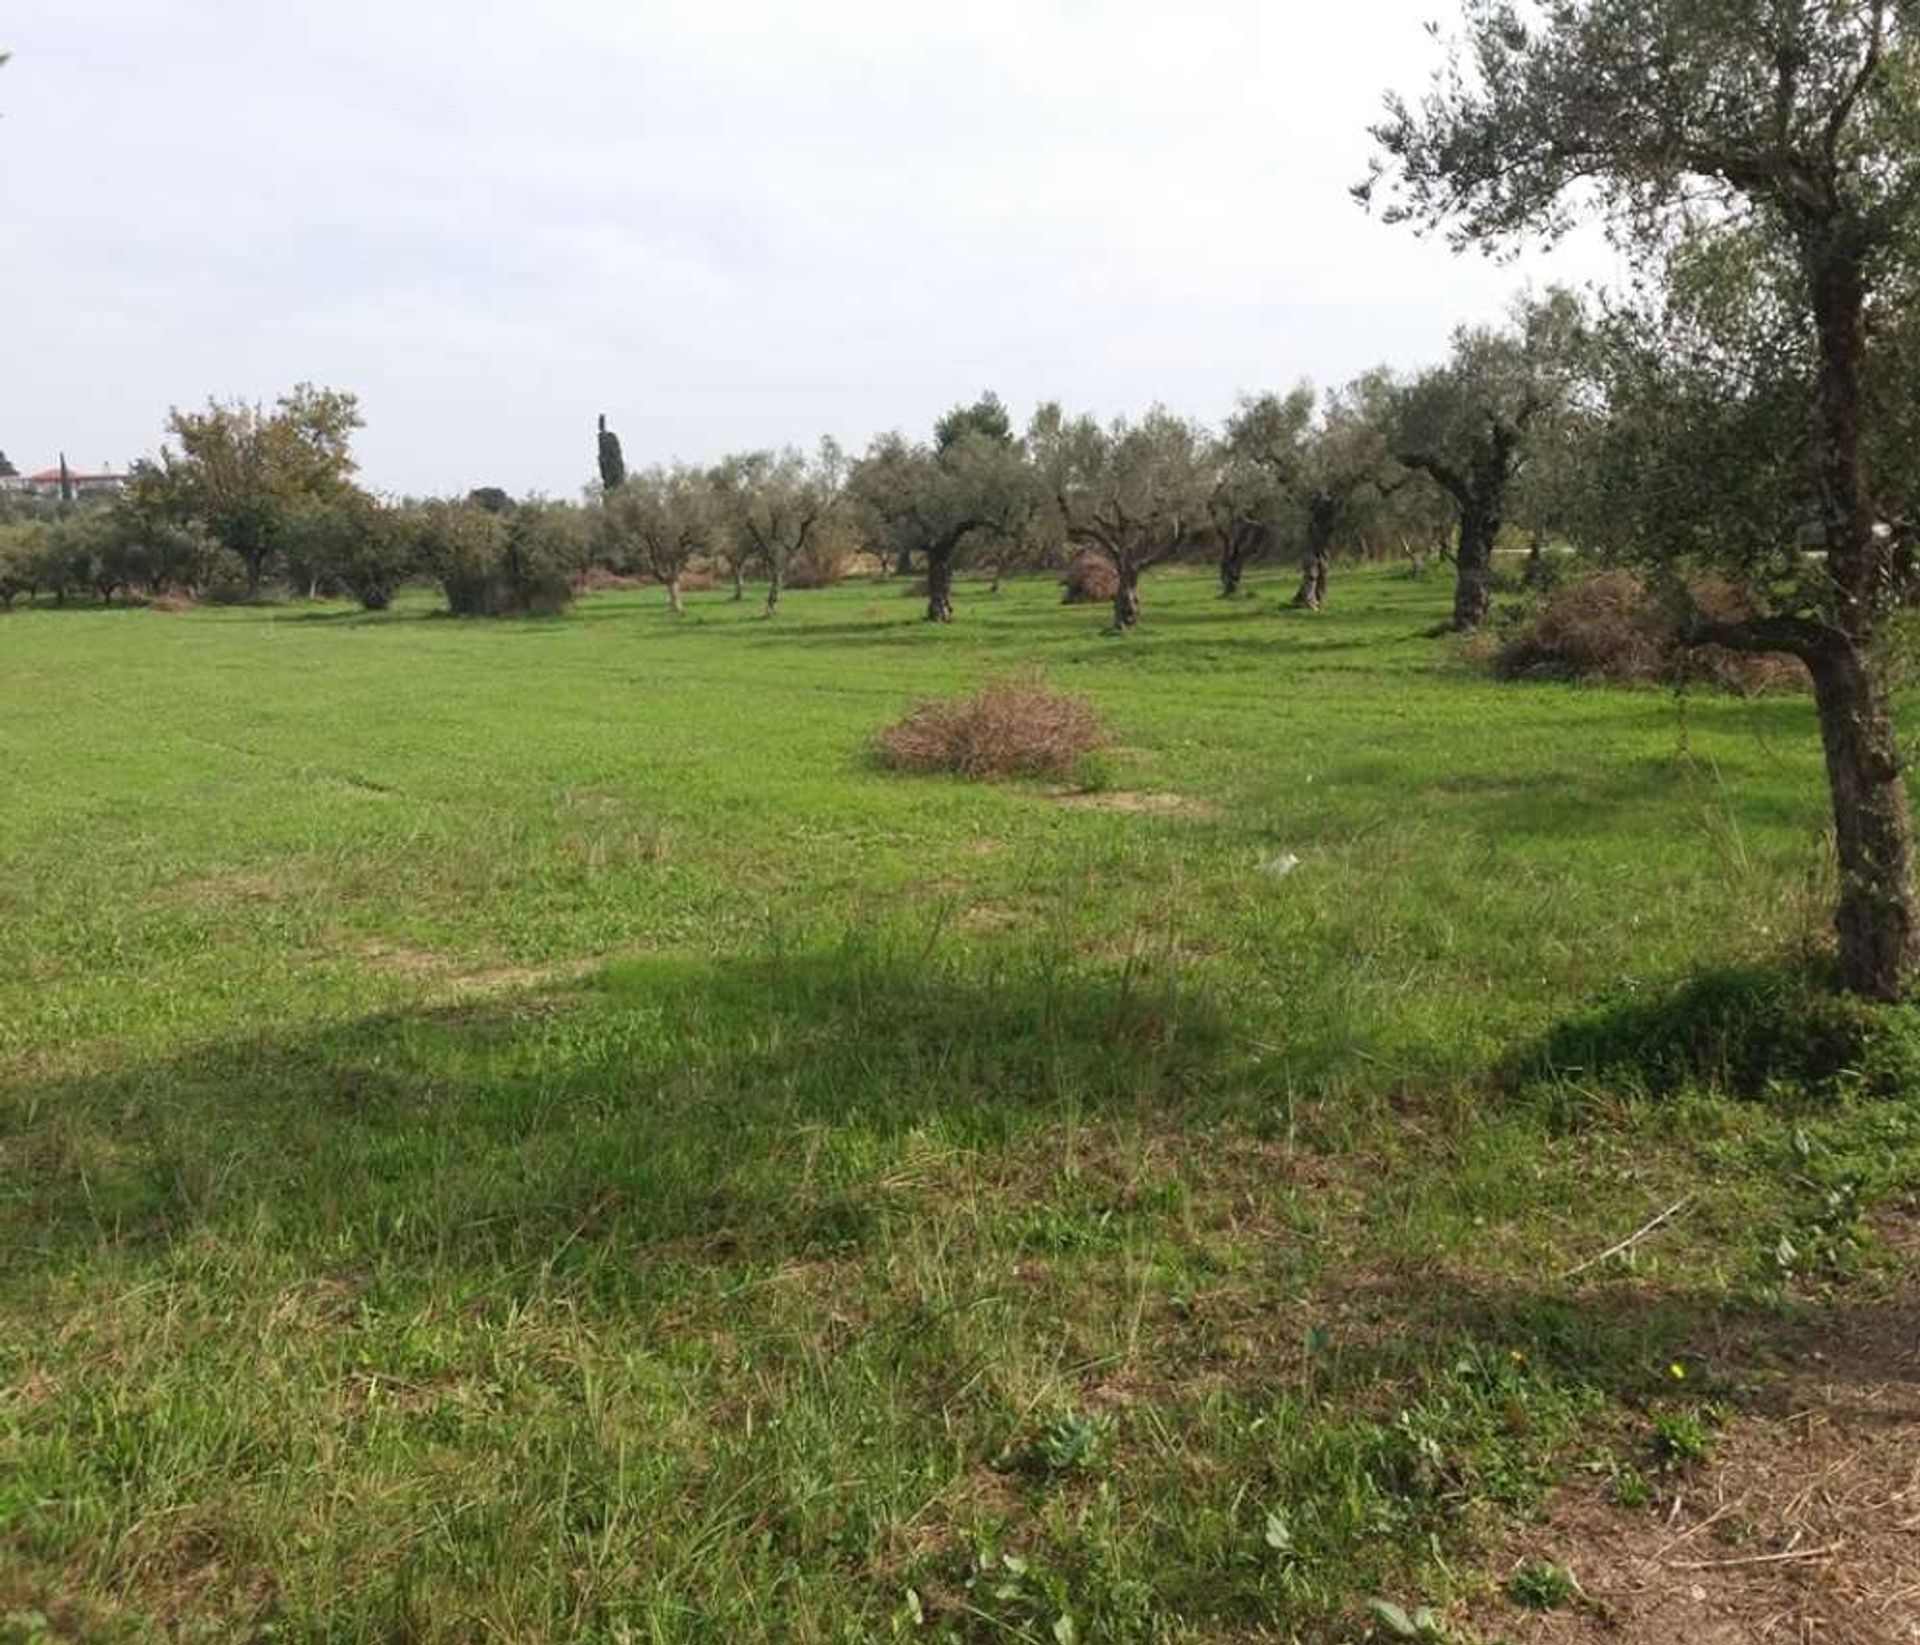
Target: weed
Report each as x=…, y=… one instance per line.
x=1540, y=1586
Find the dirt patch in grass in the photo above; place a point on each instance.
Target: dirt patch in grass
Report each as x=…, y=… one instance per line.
x=448, y=977
x=1803, y=1525
x=1134, y=802
x=234, y=885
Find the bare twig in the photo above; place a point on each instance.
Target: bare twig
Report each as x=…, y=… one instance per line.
x=1634, y=1238
x=1756, y=1559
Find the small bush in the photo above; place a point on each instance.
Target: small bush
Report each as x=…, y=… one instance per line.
x=1090, y=579
x=1008, y=728
x=1608, y=626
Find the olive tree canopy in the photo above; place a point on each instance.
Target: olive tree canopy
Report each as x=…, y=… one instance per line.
x=1793, y=125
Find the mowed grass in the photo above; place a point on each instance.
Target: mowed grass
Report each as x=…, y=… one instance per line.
x=523, y=1131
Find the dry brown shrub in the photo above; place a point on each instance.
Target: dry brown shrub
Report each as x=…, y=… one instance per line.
x=597, y=579
x=1608, y=626
x=1007, y=728
x=1601, y=627
x=1747, y=673
x=816, y=571
x=698, y=581
x=1090, y=579
x=828, y=558
x=173, y=602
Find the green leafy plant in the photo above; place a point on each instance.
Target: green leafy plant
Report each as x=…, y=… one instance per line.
x=1539, y=1585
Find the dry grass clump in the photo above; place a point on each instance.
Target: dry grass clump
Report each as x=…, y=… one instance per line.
x=1600, y=627
x=1090, y=579
x=822, y=563
x=598, y=579
x=1749, y=673
x=1007, y=728
x=1608, y=626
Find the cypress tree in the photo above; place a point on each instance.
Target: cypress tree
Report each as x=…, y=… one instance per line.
x=613, y=465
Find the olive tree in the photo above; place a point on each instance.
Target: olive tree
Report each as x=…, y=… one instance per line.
x=1326, y=462
x=1136, y=493
x=1470, y=424
x=972, y=487
x=19, y=561
x=659, y=521
x=352, y=541
x=775, y=504
x=1798, y=125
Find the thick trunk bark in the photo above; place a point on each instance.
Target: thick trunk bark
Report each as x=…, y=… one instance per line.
x=739, y=583
x=1230, y=570
x=904, y=564
x=1312, y=592
x=1126, y=601
x=1877, y=921
x=1322, y=518
x=939, y=588
x=1473, y=568
x=773, y=595
x=1877, y=918
x=675, y=603
x=1839, y=314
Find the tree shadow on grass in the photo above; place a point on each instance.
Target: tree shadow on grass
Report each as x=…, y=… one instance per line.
x=661, y=1110
x=1753, y=1030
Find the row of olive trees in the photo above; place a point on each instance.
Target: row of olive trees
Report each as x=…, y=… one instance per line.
x=1384, y=462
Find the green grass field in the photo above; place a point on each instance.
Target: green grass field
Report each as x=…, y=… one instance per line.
x=522, y=1132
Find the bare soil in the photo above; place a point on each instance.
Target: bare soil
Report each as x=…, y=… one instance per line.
x=1803, y=1527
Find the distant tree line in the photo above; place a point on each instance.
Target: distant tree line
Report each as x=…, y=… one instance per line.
x=245, y=500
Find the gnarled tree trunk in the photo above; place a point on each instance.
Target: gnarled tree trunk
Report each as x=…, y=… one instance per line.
x=1473, y=568
x=1311, y=595
x=675, y=604
x=1126, y=600
x=939, y=588
x=1877, y=921
x=1322, y=514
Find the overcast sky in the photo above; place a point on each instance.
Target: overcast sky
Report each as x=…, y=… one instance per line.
x=725, y=223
